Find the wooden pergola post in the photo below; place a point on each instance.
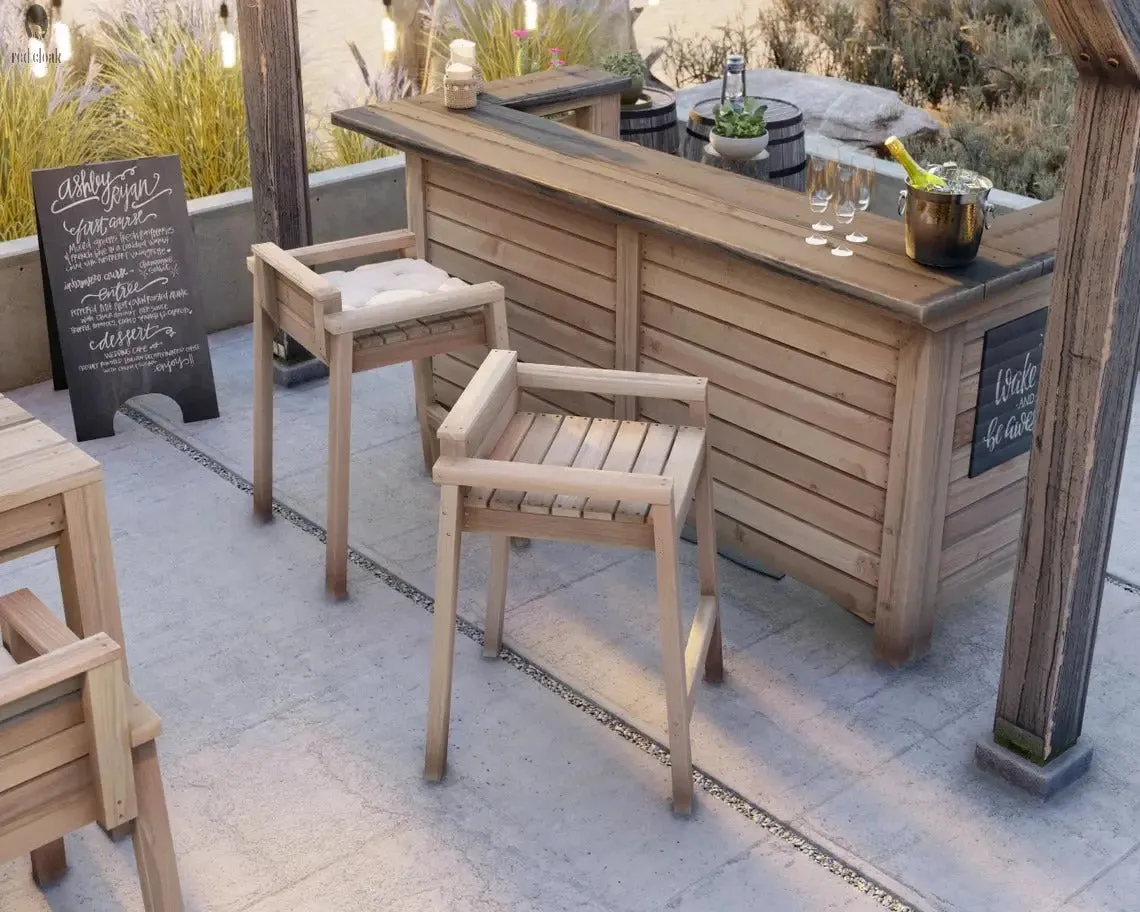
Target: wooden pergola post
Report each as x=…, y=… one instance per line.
x=1087, y=376
x=275, y=124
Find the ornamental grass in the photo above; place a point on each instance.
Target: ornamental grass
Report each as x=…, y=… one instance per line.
x=583, y=32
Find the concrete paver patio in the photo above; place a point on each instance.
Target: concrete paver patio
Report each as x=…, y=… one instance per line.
x=294, y=726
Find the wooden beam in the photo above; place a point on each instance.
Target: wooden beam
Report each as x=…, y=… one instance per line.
x=275, y=125
x=1086, y=387
x=1102, y=36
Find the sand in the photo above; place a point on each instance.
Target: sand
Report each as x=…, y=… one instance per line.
x=330, y=76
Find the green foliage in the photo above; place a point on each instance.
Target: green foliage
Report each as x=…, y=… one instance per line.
x=337, y=146
x=627, y=64
x=582, y=31
x=691, y=61
x=173, y=96
x=990, y=70
x=43, y=124
x=745, y=124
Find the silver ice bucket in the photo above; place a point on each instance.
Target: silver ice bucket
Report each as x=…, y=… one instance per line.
x=945, y=229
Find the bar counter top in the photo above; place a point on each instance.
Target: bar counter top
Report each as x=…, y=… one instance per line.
x=744, y=217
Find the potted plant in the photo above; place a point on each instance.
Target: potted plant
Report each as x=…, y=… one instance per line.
x=628, y=64
x=739, y=134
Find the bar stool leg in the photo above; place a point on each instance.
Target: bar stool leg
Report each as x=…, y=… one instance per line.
x=443, y=631
x=496, y=596
x=262, y=413
x=706, y=568
x=150, y=832
x=665, y=535
x=86, y=565
x=340, y=424
x=424, y=377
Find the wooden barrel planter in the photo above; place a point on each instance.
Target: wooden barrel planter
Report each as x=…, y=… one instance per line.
x=787, y=164
x=652, y=122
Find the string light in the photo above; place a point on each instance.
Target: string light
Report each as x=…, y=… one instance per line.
x=530, y=8
x=388, y=29
x=36, y=28
x=60, y=33
x=226, y=39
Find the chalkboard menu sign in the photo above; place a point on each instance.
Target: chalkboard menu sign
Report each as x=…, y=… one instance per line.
x=1007, y=391
x=122, y=293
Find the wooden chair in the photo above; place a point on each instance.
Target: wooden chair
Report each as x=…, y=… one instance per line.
x=627, y=483
x=289, y=295
x=76, y=747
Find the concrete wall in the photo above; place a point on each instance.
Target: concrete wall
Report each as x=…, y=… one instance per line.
x=358, y=199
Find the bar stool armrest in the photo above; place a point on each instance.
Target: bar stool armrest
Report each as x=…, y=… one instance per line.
x=521, y=476
x=613, y=382
x=42, y=675
x=300, y=275
x=492, y=389
x=24, y=615
x=401, y=240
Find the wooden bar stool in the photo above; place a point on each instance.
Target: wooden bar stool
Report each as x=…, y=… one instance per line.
x=626, y=483
x=76, y=747
x=351, y=324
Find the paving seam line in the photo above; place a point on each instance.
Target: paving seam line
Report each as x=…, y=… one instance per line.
x=710, y=785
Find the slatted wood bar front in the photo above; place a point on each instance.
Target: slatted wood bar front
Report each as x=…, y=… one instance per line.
x=842, y=392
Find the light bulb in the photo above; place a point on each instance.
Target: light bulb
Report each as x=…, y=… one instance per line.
x=388, y=33
x=61, y=37
x=530, y=8
x=37, y=55
x=229, y=48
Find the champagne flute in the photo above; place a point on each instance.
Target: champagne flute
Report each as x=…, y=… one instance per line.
x=820, y=188
x=846, y=202
x=864, y=188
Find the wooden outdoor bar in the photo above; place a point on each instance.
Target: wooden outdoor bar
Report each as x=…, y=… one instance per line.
x=842, y=391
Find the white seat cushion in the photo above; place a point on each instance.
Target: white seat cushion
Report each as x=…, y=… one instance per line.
x=389, y=282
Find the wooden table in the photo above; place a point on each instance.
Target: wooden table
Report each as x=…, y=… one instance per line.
x=843, y=391
x=51, y=496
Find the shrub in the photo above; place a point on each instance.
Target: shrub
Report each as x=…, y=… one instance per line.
x=172, y=94
x=346, y=147
x=990, y=70
x=691, y=61
x=52, y=122
x=585, y=31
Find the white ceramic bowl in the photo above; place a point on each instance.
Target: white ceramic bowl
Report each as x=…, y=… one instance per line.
x=736, y=149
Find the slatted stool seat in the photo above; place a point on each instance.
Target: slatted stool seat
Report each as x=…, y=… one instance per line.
x=508, y=472
x=76, y=747
x=378, y=314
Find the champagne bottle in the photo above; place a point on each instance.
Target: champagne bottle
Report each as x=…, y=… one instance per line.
x=920, y=178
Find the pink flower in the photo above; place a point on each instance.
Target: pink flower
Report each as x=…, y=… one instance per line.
x=520, y=33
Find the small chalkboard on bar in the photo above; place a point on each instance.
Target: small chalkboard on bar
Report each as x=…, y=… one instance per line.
x=121, y=288
x=1007, y=391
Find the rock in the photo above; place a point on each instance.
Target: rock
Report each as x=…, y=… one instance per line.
x=845, y=111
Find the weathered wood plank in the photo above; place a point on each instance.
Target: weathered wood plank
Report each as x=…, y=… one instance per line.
x=526, y=262
x=529, y=205
x=808, y=371
x=831, y=414
x=792, y=433
x=916, y=495
x=818, y=339
x=1088, y=374
x=542, y=237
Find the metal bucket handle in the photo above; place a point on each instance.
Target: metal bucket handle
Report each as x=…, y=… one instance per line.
x=902, y=202
x=990, y=211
